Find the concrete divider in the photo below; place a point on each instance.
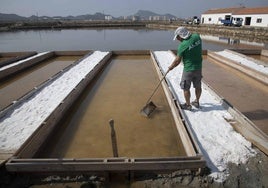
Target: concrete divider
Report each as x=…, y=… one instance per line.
x=245, y=53
x=259, y=76
x=23, y=64
x=72, y=53
x=20, y=63
x=11, y=57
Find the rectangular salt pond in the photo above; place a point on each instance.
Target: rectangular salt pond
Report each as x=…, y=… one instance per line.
x=119, y=92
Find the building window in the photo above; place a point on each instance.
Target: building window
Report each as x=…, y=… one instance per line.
x=259, y=20
x=209, y=19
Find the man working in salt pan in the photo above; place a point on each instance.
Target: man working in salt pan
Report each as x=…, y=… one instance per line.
x=190, y=52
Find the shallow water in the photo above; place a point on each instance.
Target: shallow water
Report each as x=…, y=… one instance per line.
x=119, y=95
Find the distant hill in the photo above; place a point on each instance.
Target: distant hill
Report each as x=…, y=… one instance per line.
x=14, y=17
x=143, y=14
x=11, y=17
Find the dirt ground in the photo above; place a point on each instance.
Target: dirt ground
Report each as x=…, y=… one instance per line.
x=253, y=174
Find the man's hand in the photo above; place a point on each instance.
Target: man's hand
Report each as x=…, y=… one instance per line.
x=175, y=63
x=170, y=68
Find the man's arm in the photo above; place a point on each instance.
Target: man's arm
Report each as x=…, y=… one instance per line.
x=175, y=63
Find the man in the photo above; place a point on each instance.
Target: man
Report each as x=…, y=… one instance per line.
x=190, y=52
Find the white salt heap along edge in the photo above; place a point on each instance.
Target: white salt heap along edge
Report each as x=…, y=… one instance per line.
x=244, y=61
x=22, y=61
x=25, y=119
x=218, y=141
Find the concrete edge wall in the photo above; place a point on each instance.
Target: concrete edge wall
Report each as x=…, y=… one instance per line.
x=72, y=53
x=19, y=67
x=15, y=56
x=16, y=68
x=247, y=51
x=131, y=52
x=244, y=53
x=262, y=78
x=104, y=165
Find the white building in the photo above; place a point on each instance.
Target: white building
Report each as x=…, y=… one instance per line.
x=254, y=16
x=108, y=17
x=251, y=16
x=213, y=16
x=157, y=18
x=135, y=18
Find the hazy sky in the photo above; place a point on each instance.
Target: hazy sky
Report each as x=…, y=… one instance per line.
x=116, y=8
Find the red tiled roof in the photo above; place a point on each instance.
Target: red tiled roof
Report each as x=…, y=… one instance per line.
x=223, y=10
x=257, y=10
x=238, y=10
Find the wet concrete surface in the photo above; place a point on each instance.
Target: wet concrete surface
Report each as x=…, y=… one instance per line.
x=18, y=85
x=118, y=93
x=244, y=93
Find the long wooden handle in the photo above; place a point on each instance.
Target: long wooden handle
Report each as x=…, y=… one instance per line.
x=157, y=87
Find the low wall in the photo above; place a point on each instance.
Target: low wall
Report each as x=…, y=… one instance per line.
x=256, y=34
x=12, y=57
x=259, y=76
x=16, y=67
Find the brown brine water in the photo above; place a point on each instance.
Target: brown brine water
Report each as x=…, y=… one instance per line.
x=119, y=92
